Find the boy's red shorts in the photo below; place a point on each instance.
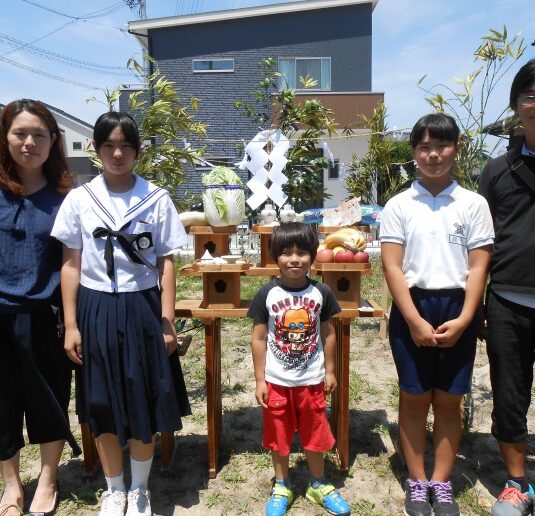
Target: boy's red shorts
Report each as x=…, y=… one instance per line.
x=296, y=408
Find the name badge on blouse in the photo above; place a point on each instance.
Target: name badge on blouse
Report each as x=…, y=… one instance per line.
x=143, y=241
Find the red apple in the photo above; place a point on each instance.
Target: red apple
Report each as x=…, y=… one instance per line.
x=361, y=257
x=325, y=256
x=345, y=256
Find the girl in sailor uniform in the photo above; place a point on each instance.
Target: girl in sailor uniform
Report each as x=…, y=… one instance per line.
x=118, y=284
x=35, y=375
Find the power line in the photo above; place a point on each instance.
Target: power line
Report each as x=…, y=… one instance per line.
x=94, y=14
x=40, y=38
x=49, y=75
x=27, y=47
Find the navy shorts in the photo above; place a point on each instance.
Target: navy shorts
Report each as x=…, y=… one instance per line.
x=421, y=369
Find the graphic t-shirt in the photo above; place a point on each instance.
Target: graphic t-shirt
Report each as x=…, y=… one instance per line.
x=294, y=354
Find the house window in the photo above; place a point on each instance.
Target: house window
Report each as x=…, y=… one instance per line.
x=317, y=68
x=334, y=170
x=76, y=145
x=213, y=65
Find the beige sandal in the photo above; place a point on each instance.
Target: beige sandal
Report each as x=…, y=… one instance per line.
x=4, y=509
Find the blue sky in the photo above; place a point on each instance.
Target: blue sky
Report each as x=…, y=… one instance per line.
x=410, y=38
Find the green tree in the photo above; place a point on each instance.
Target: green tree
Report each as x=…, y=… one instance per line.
x=163, y=121
x=468, y=102
x=304, y=123
x=377, y=175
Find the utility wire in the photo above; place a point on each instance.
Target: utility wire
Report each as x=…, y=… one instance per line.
x=40, y=38
x=49, y=75
x=28, y=47
x=94, y=14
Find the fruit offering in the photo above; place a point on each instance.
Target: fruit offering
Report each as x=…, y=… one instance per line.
x=343, y=246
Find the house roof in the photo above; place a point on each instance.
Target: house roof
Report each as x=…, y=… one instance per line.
x=62, y=113
x=140, y=28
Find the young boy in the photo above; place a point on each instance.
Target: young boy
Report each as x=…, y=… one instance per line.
x=293, y=354
x=436, y=240
x=508, y=184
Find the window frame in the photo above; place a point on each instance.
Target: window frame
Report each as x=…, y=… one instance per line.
x=295, y=59
x=193, y=61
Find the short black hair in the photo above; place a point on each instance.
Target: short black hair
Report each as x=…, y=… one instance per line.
x=107, y=122
x=524, y=79
x=437, y=125
x=293, y=234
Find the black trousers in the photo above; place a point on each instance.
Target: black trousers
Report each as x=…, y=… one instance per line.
x=35, y=381
x=511, y=352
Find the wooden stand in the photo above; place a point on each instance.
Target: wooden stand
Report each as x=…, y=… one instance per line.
x=215, y=240
x=344, y=280
x=221, y=284
x=265, y=232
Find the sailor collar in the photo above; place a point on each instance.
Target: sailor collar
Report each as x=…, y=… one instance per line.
x=144, y=195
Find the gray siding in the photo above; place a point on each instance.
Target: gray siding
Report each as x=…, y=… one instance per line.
x=343, y=34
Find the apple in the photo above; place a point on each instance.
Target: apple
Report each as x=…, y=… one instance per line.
x=322, y=246
x=345, y=256
x=361, y=257
x=325, y=256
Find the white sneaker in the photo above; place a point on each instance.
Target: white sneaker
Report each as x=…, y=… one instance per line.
x=139, y=503
x=113, y=503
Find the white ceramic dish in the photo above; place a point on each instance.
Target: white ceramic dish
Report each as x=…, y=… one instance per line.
x=231, y=258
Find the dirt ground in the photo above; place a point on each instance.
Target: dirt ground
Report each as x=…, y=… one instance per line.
x=373, y=485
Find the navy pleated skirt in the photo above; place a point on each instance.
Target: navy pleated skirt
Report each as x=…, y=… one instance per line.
x=128, y=385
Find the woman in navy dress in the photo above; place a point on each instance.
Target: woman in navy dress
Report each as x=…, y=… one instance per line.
x=34, y=373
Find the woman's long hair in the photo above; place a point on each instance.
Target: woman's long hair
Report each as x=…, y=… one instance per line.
x=55, y=168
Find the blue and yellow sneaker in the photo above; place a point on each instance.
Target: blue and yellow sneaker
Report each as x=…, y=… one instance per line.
x=329, y=498
x=280, y=500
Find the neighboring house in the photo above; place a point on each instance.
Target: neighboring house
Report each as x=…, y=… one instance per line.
x=76, y=135
x=214, y=56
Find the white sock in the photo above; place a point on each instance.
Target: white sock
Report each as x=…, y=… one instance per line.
x=116, y=483
x=140, y=473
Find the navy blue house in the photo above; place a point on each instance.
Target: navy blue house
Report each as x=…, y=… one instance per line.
x=214, y=56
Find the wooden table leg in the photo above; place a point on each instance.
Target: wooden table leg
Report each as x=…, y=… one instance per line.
x=90, y=451
x=340, y=398
x=212, y=341
x=167, y=446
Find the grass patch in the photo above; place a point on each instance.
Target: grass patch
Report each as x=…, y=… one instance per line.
x=471, y=503
x=366, y=508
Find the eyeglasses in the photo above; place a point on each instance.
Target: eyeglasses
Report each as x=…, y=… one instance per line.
x=526, y=101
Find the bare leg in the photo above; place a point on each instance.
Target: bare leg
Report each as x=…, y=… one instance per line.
x=514, y=456
x=140, y=450
x=280, y=464
x=13, y=492
x=316, y=464
x=110, y=453
x=45, y=494
x=413, y=410
x=447, y=432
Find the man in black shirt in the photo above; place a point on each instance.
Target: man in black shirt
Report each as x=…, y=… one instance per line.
x=508, y=184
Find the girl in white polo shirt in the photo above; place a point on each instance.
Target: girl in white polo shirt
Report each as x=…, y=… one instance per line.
x=436, y=242
x=118, y=284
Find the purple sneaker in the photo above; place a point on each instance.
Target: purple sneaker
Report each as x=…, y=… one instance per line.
x=442, y=499
x=417, y=498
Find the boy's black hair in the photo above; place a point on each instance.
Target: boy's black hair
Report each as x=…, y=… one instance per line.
x=437, y=125
x=107, y=122
x=524, y=79
x=294, y=234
